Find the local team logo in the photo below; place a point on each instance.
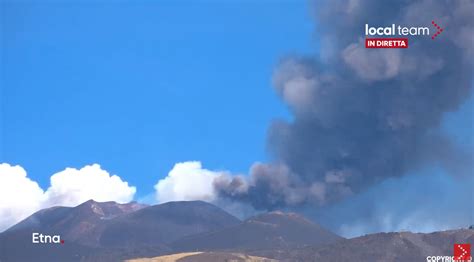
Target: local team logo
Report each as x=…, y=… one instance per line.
x=396, y=36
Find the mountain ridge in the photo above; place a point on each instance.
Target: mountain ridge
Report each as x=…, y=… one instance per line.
x=108, y=231
x=274, y=229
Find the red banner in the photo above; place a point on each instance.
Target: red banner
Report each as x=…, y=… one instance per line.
x=386, y=43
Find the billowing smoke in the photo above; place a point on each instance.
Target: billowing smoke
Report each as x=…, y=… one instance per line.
x=362, y=116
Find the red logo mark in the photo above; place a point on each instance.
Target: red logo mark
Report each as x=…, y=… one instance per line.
x=462, y=252
x=62, y=241
x=440, y=30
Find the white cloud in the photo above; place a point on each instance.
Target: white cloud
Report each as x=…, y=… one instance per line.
x=74, y=186
x=187, y=181
x=20, y=196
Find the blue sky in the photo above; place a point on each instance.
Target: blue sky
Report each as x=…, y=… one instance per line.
x=137, y=87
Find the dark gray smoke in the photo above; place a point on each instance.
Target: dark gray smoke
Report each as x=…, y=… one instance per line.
x=364, y=115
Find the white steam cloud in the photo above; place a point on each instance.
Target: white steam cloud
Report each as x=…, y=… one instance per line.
x=187, y=181
x=74, y=186
x=20, y=196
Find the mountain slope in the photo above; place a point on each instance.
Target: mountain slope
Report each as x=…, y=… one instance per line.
x=109, y=231
x=387, y=247
x=267, y=231
x=113, y=232
x=204, y=257
x=82, y=224
x=165, y=223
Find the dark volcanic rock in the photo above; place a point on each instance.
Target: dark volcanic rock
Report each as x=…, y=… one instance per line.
x=386, y=247
x=267, y=231
x=82, y=224
x=109, y=231
x=166, y=223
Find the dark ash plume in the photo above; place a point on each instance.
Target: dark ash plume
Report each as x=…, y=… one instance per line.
x=364, y=115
